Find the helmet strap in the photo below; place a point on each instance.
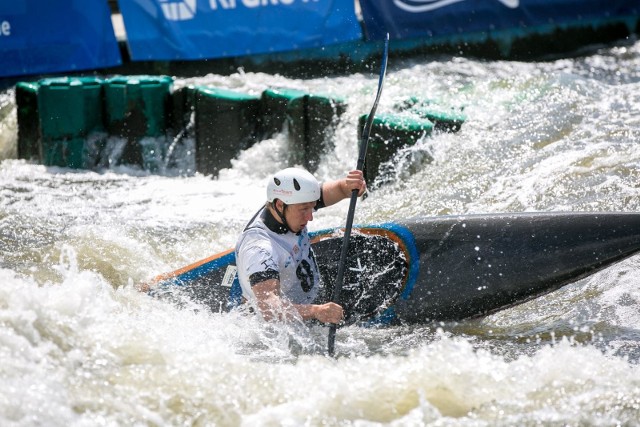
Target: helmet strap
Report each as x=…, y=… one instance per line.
x=281, y=214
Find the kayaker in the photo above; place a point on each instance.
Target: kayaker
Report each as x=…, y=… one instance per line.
x=277, y=269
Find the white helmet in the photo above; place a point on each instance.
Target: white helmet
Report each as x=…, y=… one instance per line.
x=292, y=186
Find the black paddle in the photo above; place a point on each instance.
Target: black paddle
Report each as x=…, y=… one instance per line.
x=364, y=142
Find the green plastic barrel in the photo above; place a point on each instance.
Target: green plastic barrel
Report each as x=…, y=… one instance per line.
x=69, y=106
x=414, y=101
x=226, y=122
x=55, y=115
x=312, y=122
x=137, y=107
x=28, y=121
x=389, y=134
x=444, y=118
x=275, y=102
x=92, y=88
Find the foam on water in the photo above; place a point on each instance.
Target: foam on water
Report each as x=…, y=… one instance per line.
x=79, y=352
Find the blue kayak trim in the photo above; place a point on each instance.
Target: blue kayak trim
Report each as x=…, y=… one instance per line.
x=407, y=237
x=414, y=256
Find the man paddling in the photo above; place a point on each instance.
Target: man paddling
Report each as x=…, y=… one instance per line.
x=276, y=265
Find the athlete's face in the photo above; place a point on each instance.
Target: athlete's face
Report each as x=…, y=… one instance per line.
x=299, y=214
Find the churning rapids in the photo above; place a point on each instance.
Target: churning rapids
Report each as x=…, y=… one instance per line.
x=80, y=346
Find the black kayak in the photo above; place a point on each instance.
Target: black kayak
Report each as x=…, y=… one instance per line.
x=428, y=269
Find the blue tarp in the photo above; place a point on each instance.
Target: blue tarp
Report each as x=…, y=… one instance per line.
x=46, y=36
x=190, y=29
x=404, y=19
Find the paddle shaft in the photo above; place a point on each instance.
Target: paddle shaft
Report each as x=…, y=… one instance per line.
x=362, y=154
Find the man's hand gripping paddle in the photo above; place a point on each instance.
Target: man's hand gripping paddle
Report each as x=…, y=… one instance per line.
x=364, y=142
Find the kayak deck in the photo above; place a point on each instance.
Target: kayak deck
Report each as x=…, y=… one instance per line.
x=441, y=268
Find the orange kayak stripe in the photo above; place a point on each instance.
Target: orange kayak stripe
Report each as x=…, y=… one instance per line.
x=196, y=264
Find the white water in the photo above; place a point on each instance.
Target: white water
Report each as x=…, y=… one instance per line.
x=80, y=346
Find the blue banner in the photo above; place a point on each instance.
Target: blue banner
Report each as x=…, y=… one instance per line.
x=404, y=19
x=45, y=36
x=200, y=29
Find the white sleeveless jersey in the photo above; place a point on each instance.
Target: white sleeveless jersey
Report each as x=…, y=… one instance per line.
x=262, y=254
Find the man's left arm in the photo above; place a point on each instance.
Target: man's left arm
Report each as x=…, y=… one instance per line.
x=340, y=189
